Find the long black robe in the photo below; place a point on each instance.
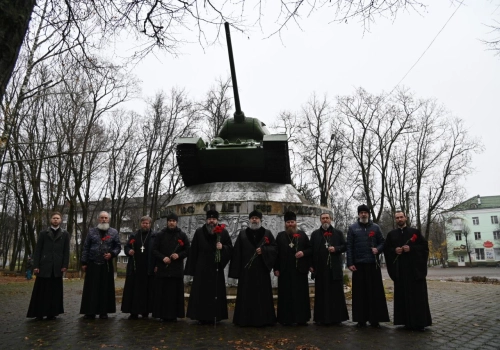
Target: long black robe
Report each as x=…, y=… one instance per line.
x=138, y=291
x=169, y=284
x=207, y=300
x=329, y=299
x=254, y=300
x=408, y=271
x=293, y=284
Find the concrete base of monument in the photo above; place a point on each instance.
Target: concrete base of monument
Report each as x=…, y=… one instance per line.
x=235, y=200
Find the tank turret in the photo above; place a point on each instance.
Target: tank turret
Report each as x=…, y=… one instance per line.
x=244, y=150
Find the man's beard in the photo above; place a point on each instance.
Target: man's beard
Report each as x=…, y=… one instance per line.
x=363, y=220
x=103, y=226
x=325, y=226
x=255, y=225
x=210, y=227
x=291, y=229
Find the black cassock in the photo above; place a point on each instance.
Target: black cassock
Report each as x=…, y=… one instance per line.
x=254, y=300
x=408, y=271
x=169, y=282
x=207, y=299
x=138, y=290
x=293, y=284
x=329, y=299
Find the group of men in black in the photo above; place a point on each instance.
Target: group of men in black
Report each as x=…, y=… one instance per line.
x=155, y=272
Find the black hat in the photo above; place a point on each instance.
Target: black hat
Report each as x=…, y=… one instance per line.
x=213, y=214
x=363, y=207
x=290, y=215
x=255, y=213
x=172, y=216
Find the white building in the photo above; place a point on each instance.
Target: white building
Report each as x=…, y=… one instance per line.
x=473, y=226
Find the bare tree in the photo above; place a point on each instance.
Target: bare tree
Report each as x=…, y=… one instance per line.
x=168, y=118
x=214, y=109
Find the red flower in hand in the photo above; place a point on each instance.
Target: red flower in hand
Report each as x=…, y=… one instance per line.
x=266, y=240
x=219, y=228
x=132, y=241
x=413, y=238
x=327, y=234
x=371, y=234
x=181, y=243
x=105, y=238
x=296, y=235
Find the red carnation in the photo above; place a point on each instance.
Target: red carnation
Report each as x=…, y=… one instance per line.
x=105, y=238
x=371, y=234
x=181, y=243
x=296, y=235
x=132, y=241
x=327, y=234
x=219, y=228
x=266, y=240
x=413, y=238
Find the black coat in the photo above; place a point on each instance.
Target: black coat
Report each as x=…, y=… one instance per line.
x=337, y=241
x=51, y=252
x=136, y=246
x=359, y=243
x=303, y=244
x=166, y=244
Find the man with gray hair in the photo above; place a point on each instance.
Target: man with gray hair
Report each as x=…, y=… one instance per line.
x=139, y=285
x=102, y=244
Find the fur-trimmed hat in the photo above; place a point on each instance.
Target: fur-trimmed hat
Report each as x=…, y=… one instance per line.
x=255, y=213
x=290, y=215
x=213, y=214
x=363, y=207
x=172, y=216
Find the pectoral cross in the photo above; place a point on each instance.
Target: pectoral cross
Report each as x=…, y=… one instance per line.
x=291, y=245
x=142, y=249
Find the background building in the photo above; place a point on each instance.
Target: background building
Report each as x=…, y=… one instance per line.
x=473, y=232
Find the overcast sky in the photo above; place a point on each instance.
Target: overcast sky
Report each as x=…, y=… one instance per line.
x=277, y=74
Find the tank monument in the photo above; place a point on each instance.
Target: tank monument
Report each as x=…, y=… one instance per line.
x=244, y=168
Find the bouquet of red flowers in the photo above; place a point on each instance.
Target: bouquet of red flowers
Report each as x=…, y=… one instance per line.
x=132, y=241
x=327, y=236
x=371, y=235
x=105, y=249
x=180, y=243
x=218, y=231
x=249, y=264
x=296, y=237
x=412, y=240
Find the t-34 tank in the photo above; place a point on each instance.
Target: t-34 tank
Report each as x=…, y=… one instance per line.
x=244, y=150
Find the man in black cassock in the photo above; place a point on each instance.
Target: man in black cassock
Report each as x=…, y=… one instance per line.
x=138, y=291
x=364, y=243
x=328, y=244
x=211, y=250
x=102, y=244
x=51, y=260
x=292, y=269
x=170, y=249
x=406, y=252
x=253, y=258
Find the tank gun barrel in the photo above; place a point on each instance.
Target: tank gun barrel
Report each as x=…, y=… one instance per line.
x=239, y=116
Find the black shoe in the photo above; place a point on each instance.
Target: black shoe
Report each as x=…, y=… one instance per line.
x=89, y=317
x=361, y=324
x=145, y=315
x=103, y=316
x=375, y=325
x=132, y=317
x=50, y=318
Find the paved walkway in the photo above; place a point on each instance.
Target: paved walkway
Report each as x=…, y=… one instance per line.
x=465, y=315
